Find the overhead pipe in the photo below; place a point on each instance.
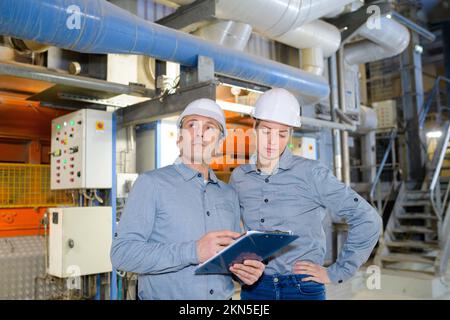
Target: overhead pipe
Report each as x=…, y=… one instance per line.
x=230, y=34
x=275, y=18
x=316, y=34
x=389, y=40
x=294, y=23
x=313, y=60
x=355, y=5
x=106, y=28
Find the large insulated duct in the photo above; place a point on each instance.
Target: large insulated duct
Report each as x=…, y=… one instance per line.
x=317, y=34
x=389, y=40
x=292, y=22
x=230, y=34
x=97, y=26
x=276, y=17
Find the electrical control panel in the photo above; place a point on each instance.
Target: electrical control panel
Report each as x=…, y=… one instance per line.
x=386, y=114
x=81, y=150
x=80, y=241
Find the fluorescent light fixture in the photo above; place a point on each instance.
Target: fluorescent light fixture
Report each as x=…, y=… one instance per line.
x=235, y=107
x=389, y=16
x=434, y=134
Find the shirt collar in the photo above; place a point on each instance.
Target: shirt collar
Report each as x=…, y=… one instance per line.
x=284, y=163
x=189, y=173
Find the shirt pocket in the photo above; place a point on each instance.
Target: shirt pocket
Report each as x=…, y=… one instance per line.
x=294, y=200
x=226, y=215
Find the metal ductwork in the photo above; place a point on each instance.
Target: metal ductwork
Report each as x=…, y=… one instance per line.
x=106, y=28
x=230, y=34
x=389, y=40
x=317, y=34
x=280, y=16
x=293, y=23
x=312, y=60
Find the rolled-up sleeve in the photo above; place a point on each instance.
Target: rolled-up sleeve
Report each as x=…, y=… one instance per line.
x=364, y=222
x=132, y=250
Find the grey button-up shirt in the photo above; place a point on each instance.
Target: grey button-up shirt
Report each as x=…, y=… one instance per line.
x=167, y=211
x=294, y=198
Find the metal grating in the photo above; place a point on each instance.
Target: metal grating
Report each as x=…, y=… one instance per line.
x=22, y=270
x=28, y=185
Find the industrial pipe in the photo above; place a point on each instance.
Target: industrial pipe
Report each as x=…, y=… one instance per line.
x=100, y=27
x=389, y=40
x=293, y=23
x=230, y=34
x=280, y=16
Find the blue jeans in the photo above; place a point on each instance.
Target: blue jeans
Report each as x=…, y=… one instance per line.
x=277, y=287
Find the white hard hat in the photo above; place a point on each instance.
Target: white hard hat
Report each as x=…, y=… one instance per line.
x=278, y=105
x=207, y=108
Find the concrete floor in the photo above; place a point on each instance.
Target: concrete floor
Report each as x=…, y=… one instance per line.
x=394, y=285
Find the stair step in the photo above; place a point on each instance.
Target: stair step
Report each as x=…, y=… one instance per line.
x=419, y=197
x=416, y=216
x=409, y=272
x=412, y=244
x=413, y=203
x=417, y=192
x=402, y=257
x=413, y=229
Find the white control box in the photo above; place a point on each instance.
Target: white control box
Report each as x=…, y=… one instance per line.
x=81, y=148
x=79, y=241
x=386, y=114
x=305, y=147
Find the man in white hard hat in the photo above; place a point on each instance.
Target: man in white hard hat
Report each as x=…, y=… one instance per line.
x=278, y=190
x=179, y=216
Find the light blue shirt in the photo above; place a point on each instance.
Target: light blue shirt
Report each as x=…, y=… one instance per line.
x=294, y=198
x=167, y=211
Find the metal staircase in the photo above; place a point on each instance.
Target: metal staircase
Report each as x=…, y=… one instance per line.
x=417, y=233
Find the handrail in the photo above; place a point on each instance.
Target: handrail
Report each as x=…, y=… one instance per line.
x=434, y=189
x=392, y=137
x=427, y=105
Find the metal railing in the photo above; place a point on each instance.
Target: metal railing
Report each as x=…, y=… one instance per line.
x=439, y=205
x=378, y=201
x=435, y=94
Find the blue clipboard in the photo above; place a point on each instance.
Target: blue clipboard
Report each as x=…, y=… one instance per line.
x=253, y=245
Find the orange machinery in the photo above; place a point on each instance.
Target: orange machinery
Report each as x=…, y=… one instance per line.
x=25, y=129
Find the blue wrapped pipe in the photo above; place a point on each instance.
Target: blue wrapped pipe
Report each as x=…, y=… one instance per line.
x=97, y=26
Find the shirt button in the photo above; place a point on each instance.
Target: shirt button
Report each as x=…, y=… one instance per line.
x=262, y=220
x=340, y=281
x=266, y=200
x=275, y=280
x=211, y=291
x=199, y=175
x=208, y=213
x=356, y=199
x=266, y=180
